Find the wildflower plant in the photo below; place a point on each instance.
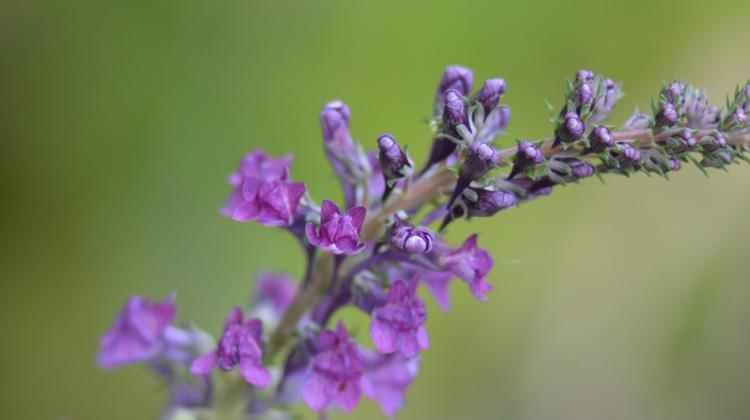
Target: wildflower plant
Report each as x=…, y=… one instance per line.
x=377, y=248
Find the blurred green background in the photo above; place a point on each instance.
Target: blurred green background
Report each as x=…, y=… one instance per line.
x=121, y=119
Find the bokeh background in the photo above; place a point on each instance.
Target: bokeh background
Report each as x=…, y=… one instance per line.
x=121, y=119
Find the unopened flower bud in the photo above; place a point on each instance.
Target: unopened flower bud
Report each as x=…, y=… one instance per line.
x=393, y=161
x=630, y=153
x=415, y=240
x=572, y=128
x=584, y=76
x=456, y=77
x=584, y=94
x=582, y=169
x=489, y=95
x=674, y=165
x=527, y=155
x=454, y=112
x=480, y=159
x=667, y=115
x=488, y=202
x=674, y=91
x=687, y=138
x=601, y=138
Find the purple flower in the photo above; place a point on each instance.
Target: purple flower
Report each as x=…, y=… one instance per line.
x=584, y=94
x=415, y=240
x=571, y=129
x=334, y=122
x=454, y=112
x=674, y=92
x=338, y=233
x=240, y=345
x=674, y=165
x=667, y=115
x=398, y=326
x=584, y=76
x=138, y=332
x=687, y=139
x=606, y=100
x=276, y=289
x=582, y=169
x=342, y=152
x=480, y=159
x=386, y=379
x=490, y=202
x=490, y=93
x=527, y=155
x=455, y=77
x=393, y=161
x=699, y=112
x=471, y=264
x=601, y=138
x=335, y=372
x=628, y=153
x=262, y=191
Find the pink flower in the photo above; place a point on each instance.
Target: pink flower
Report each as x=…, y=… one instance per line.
x=338, y=233
x=240, y=345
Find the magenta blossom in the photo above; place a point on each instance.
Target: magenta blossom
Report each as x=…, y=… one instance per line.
x=262, y=191
x=386, y=379
x=335, y=372
x=338, y=233
x=398, y=326
x=239, y=345
x=138, y=332
x=471, y=264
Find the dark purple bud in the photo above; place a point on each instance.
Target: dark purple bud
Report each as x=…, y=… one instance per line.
x=584, y=94
x=393, y=161
x=488, y=202
x=528, y=155
x=601, y=138
x=582, y=169
x=630, y=153
x=456, y=77
x=454, y=112
x=480, y=159
x=572, y=128
x=667, y=115
x=415, y=240
x=529, y=151
x=584, y=76
x=674, y=165
x=687, y=139
x=489, y=95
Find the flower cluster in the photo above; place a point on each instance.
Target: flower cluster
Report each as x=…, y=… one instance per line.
x=377, y=248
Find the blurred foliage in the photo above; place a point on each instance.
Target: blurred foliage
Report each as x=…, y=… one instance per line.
x=121, y=119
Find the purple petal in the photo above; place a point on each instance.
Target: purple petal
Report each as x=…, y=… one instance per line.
x=422, y=339
x=383, y=336
x=358, y=217
x=327, y=210
x=203, y=365
x=314, y=392
x=255, y=373
x=348, y=396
